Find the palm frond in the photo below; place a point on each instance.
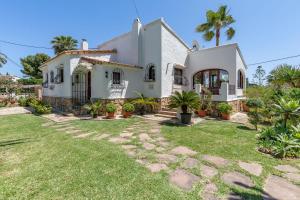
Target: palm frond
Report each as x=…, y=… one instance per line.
x=208, y=35
x=230, y=33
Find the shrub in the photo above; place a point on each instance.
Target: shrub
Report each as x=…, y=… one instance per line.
x=255, y=116
x=93, y=108
x=111, y=108
x=254, y=103
x=38, y=106
x=224, y=108
x=128, y=107
x=2, y=104
x=22, y=101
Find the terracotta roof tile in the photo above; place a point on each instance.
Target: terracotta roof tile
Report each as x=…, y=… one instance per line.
x=96, y=61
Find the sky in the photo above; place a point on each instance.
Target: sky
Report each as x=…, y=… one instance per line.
x=265, y=29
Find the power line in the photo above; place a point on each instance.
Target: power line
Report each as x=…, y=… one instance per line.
x=136, y=9
x=273, y=60
x=25, y=45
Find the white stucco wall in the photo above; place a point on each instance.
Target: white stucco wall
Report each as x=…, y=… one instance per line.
x=151, y=54
x=69, y=63
x=173, y=51
x=102, y=86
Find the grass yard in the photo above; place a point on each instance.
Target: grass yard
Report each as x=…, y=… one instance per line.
x=41, y=163
x=230, y=141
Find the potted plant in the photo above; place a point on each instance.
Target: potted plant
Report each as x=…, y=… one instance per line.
x=128, y=109
x=202, y=108
x=111, y=108
x=93, y=108
x=143, y=102
x=207, y=99
x=187, y=101
x=225, y=110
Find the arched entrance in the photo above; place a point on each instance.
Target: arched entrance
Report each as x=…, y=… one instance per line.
x=211, y=79
x=81, y=87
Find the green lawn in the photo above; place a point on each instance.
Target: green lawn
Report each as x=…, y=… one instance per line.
x=40, y=163
x=231, y=141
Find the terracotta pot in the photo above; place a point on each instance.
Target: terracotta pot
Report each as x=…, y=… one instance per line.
x=245, y=107
x=225, y=116
x=201, y=113
x=127, y=114
x=111, y=115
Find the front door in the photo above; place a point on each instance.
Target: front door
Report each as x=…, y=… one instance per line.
x=89, y=89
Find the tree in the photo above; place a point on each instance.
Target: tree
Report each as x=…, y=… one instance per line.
x=3, y=60
x=285, y=75
x=32, y=63
x=259, y=75
x=63, y=43
x=215, y=21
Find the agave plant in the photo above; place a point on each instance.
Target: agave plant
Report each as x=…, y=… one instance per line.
x=288, y=109
x=143, y=102
x=93, y=108
x=285, y=145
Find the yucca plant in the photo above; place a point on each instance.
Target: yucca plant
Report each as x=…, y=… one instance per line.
x=187, y=101
x=93, y=108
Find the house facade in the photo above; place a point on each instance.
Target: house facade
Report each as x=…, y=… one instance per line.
x=151, y=59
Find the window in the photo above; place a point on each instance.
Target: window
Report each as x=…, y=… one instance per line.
x=178, y=76
x=116, y=78
x=46, y=78
x=60, y=75
x=211, y=78
x=52, y=77
x=150, y=73
x=240, y=80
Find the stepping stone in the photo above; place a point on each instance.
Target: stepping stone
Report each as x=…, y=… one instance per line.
x=183, y=179
x=118, y=140
x=252, y=168
x=145, y=137
x=130, y=153
x=84, y=135
x=207, y=171
x=100, y=137
x=280, y=189
x=163, y=144
x=154, y=130
x=129, y=146
x=293, y=177
x=148, y=146
x=65, y=128
x=157, y=167
x=218, y=161
x=161, y=139
x=160, y=149
x=142, y=161
x=73, y=131
x=166, y=158
x=181, y=150
x=190, y=163
x=47, y=124
x=287, y=168
x=233, y=196
x=237, y=179
x=209, y=191
x=126, y=135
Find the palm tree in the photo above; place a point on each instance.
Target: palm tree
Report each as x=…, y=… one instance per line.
x=2, y=59
x=285, y=75
x=215, y=21
x=63, y=43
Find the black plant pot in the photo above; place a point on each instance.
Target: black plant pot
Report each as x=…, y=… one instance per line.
x=186, y=118
x=94, y=115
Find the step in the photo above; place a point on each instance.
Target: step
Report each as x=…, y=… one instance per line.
x=168, y=109
x=165, y=116
x=171, y=113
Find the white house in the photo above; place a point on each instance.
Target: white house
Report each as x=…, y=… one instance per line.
x=151, y=59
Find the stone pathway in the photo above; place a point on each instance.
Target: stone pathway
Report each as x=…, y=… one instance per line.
x=15, y=110
x=185, y=168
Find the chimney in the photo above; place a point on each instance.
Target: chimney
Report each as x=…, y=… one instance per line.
x=84, y=45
